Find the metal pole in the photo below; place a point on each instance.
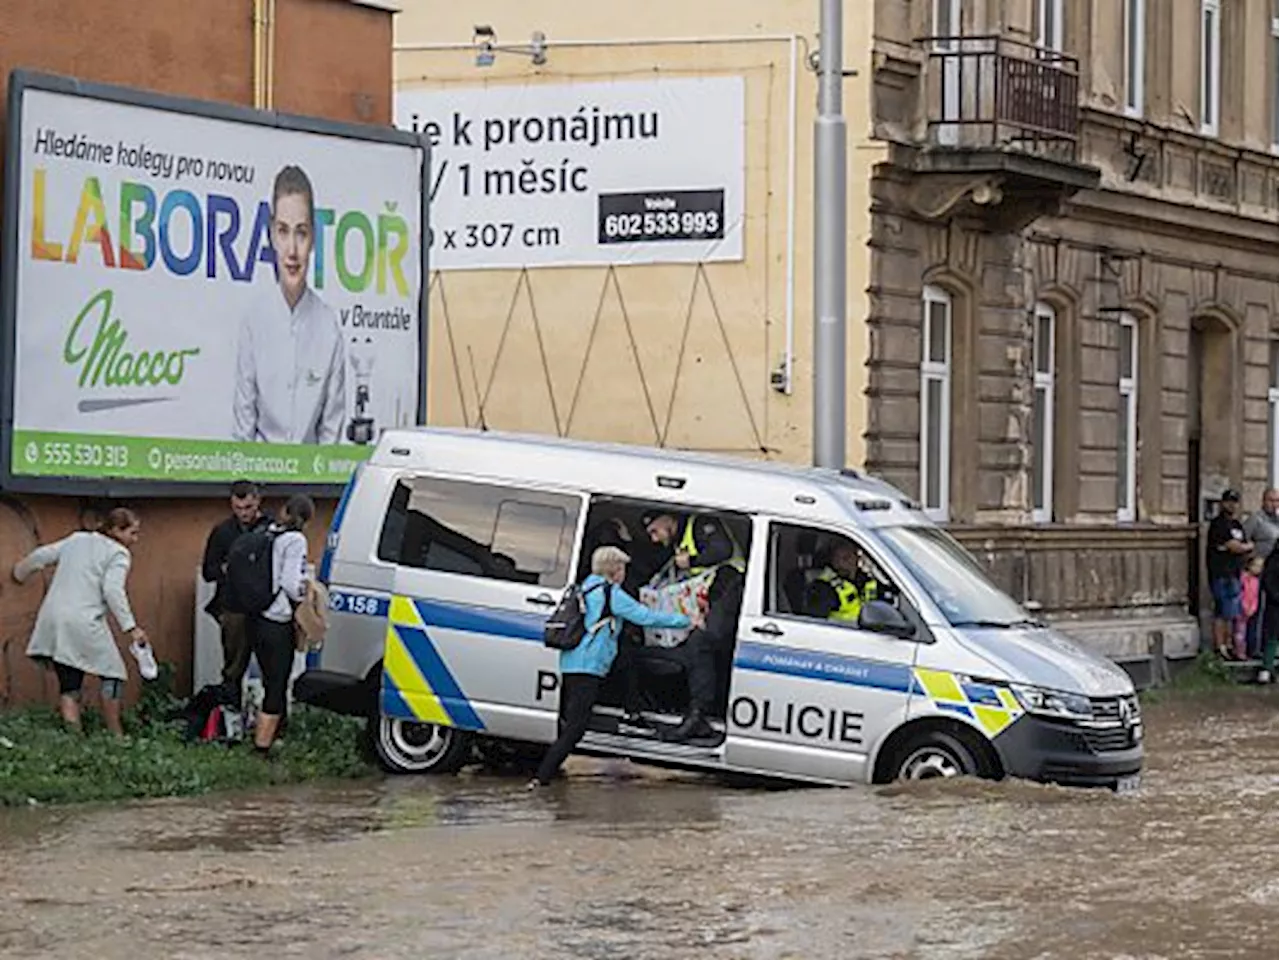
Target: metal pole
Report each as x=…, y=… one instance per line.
x=829, y=257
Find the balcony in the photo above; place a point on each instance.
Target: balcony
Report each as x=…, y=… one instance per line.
x=1005, y=115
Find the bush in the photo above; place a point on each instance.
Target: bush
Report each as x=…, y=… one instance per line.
x=43, y=762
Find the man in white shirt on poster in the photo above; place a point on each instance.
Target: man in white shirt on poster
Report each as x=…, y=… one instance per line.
x=290, y=363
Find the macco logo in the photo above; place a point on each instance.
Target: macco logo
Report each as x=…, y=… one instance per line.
x=106, y=361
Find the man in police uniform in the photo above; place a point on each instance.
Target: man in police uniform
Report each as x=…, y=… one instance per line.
x=697, y=544
x=838, y=590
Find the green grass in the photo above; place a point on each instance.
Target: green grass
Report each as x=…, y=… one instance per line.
x=43, y=762
x=1209, y=673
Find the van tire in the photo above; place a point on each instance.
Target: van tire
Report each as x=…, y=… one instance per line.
x=933, y=754
x=403, y=746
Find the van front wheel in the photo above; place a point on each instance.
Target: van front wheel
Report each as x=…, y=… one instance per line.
x=934, y=755
x=410, y=746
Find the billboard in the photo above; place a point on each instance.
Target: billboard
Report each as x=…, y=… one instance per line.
x=195, y=292
x=561, y=174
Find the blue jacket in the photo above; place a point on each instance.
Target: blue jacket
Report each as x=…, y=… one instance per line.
x=596, y=652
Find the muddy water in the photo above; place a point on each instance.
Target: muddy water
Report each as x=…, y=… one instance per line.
x=625, y=863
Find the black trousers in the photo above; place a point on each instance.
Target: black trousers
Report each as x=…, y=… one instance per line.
x=578, y=693
x=698, y=655
x=273, y=644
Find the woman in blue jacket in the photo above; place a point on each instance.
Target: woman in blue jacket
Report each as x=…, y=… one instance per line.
x=583, y=668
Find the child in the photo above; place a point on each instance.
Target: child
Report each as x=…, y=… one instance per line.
x=1250, y=589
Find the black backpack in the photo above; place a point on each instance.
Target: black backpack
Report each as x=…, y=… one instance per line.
x=568, y=623
x=250, y=578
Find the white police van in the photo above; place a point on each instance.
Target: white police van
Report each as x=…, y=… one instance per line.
x=450, y=548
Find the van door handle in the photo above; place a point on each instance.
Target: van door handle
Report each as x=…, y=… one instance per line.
x=542, y=600
x=768, y=629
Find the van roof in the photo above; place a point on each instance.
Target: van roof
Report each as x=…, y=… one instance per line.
x=634, y=472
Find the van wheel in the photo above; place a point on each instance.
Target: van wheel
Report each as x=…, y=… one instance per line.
x=934, y=755
x=409, y=746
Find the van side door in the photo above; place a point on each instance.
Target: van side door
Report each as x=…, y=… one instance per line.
x=812, y=692
x=480, y=566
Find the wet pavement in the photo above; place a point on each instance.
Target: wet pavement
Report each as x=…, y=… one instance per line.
x=624, y=862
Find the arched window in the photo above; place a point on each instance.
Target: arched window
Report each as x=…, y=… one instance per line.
x=1127, y=422
x=1044, y=334
x=935, y=403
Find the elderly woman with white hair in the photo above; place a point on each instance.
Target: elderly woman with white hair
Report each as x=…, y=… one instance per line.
x=584, y=667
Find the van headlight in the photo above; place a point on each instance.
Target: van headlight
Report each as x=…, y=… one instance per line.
x=1053, y=703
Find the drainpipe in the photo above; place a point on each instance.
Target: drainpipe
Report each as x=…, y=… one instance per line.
x=264, y=54
x=269, y=57
x=259, y=44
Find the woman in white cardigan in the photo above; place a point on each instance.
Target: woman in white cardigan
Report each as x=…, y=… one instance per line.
x=71, y=629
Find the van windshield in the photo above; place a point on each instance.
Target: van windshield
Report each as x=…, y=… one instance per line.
x=953, y=579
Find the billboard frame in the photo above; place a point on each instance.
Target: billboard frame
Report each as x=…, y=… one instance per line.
x=20, y=81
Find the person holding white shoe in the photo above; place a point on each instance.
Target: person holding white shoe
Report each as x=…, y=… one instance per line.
x=71, y=632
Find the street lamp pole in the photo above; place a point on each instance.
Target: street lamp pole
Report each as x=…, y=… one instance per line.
x=830, y=200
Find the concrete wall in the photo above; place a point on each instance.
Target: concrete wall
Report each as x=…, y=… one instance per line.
x=333, y=59
x=716, y=395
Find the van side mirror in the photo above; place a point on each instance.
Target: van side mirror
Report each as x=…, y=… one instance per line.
x=880, y=617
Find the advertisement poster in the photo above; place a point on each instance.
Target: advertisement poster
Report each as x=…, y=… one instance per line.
x=625, y=172
x=203, y=299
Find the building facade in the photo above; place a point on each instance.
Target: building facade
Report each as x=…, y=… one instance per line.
x=1062, y=273
x=1073, y=291
x=328, y=58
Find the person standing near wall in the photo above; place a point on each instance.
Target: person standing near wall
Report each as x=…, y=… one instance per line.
x=1262, y=527
x=271, y=633
x=246, y=515
x=1225, y=555
x=71, y=631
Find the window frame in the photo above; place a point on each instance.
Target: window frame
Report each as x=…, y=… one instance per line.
x=1211, y=69
x=1127, y=511
x=1048, y=14
x=1273, y=85
x=932, y=371
x=574, y=527
x=1273, y=407
x=909, y=604
x=1044, y=382
x=1134, y=74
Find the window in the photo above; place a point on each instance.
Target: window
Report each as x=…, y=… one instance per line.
x=1135, y=55
x=1273, y=80
x=947, y=573
x=1047, y=24
x=481, y=530
x=935, y=404
x=1042, y=414
x=1210, y=65
x=1273, y=417
x=1127, y=427
x=805, y=560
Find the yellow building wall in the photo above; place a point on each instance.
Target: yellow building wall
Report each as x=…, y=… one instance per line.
x=677, y=355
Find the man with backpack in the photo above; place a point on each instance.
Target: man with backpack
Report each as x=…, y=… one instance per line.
x=585, y=630
x=246, y=516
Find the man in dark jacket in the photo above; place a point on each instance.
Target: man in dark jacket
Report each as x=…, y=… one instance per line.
x=1270, y=618
x=246, y=515
x=696, y=544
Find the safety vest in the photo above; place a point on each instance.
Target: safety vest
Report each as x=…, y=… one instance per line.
x=851, y=600
x=690, y=546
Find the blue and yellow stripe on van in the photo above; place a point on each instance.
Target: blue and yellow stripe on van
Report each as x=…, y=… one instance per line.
x=993, y=708
x=416, y=682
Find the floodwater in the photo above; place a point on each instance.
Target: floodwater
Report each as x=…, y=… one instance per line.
x=622, y=862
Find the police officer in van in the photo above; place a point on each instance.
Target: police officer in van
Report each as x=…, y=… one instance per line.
x=838, y=590
x=697, y=544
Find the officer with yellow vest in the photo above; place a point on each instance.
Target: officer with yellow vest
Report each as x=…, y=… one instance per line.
x=838, y=590
x=699, y=543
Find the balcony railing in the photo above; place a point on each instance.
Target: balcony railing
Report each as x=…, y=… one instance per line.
x=991, y=92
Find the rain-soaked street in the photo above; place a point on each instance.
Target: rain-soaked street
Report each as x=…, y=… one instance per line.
x=621, y=862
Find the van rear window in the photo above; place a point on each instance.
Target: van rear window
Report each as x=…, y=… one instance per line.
x=481, y=530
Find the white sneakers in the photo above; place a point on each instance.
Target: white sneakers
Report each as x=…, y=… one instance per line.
x=1264, y=676
x=146, y=660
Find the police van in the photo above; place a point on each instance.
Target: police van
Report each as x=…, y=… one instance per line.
x=450, y=548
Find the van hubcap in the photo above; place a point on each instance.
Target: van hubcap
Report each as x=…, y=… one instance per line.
x=929, y=763
x=415, y=744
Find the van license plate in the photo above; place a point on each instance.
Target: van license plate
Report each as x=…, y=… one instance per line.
x=1129, y=784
